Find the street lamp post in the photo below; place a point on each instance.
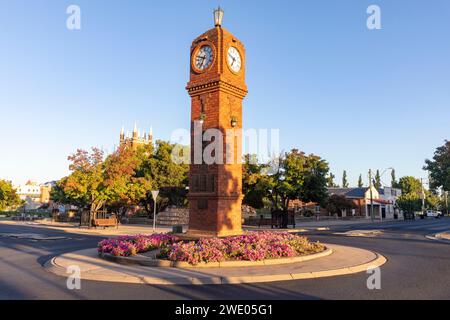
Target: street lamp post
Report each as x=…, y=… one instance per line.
x=218, y=16
x=372, y=217
x=154, y=195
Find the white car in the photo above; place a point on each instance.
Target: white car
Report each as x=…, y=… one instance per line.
x=432, y=214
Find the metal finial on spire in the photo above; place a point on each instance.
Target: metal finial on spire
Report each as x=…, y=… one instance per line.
x=218, y=16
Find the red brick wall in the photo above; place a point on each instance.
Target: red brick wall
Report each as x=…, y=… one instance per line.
x=215, y=194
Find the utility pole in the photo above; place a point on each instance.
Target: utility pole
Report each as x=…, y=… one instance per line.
x=423, y=196
x=446, y=201
x=372, y=216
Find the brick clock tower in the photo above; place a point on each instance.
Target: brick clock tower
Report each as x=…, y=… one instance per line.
x=217, y=88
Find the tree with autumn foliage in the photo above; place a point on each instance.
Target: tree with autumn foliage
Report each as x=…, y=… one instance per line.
x=84, y=187
x=123, y=185
x=124, y=179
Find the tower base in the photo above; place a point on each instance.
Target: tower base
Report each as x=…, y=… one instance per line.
x=198, y=234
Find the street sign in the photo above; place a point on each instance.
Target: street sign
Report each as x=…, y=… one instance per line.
x=155, y=194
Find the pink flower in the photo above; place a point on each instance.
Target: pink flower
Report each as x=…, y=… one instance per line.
x=253, y=246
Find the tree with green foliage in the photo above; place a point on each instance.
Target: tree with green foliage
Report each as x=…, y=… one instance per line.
x=439, y=168
x=432, y=200
x=169, y=177
x=344, y=180
x=314, y=181
x=377, y=183
x=9, y=199
x=330, y=181
x=409, y=202
x=299, y=176
x=254, y=182
x=394, y=183
x=410, y=185
x=360, y=181
x=291, y=176
x=412, y=194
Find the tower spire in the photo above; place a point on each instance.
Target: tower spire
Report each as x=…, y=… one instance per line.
x=135, y=131
x=122, y=134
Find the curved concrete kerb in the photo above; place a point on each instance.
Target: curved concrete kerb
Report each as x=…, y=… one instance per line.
x=342, y=260
x=360, y=233
x=442, y=236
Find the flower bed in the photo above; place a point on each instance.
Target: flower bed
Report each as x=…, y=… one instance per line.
x=253, y=246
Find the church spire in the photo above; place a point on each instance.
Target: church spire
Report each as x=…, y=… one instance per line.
x=135, y=131
x=122, y=134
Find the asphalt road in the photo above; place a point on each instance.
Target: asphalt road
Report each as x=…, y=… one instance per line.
x=417, y=268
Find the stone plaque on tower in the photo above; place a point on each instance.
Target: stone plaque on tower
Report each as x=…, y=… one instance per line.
x=217, y=88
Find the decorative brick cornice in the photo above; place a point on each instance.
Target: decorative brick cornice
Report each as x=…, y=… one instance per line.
x=221, y=85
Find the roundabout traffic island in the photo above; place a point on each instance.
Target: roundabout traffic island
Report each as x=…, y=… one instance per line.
x=249, y=249
x=162, y=259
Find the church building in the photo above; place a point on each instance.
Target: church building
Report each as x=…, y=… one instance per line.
x=136, y=139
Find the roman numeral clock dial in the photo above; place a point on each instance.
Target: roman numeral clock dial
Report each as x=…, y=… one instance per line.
x=203, y=58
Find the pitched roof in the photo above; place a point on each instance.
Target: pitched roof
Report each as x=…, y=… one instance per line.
x=349, y=192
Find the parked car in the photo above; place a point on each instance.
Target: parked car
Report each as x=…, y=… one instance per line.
x=433, y=214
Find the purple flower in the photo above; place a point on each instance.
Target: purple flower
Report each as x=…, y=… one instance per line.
x=252, y=246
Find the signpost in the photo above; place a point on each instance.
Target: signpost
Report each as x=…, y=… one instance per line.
x=154, y=195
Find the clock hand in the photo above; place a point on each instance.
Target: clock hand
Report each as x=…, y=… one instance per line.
x=200, y=60
x=234, y=59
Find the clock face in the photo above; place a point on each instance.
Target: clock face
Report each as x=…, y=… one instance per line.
x=203, y=58
x=234, y=59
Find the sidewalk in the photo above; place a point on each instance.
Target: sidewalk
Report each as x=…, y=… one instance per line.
x=74, y=228
x=329, y=223
x=344, y=260
x=132, y=229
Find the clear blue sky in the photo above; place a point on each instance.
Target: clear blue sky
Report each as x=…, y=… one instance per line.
x=360, y=99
